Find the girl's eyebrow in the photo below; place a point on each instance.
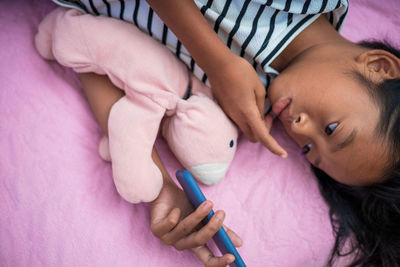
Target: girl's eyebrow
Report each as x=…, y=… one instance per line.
x=346, y=142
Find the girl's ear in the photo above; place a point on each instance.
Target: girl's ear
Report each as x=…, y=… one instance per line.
x=381, y=63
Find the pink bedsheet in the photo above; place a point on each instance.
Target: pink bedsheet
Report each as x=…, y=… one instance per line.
x=59, y=207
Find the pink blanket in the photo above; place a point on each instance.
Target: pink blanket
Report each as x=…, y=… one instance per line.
x=58, y=204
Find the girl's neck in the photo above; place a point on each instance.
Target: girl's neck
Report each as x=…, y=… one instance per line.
x=319, y=32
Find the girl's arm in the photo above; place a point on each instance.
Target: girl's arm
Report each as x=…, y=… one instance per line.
x=234, y=82
x=188, y=24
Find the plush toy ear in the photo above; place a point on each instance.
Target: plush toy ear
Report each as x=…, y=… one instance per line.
x=202, y=138
x=132, y=128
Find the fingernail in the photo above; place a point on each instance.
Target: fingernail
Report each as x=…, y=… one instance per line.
x=206, y=205
x=219, y=216
x=231, y=258
x=284, y=155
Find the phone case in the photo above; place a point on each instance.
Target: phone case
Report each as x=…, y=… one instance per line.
x=196, y=197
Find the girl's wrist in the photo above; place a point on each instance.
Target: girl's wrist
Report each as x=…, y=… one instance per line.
x=215, y=60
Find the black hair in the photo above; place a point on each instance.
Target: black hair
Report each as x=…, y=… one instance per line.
x=366, y=219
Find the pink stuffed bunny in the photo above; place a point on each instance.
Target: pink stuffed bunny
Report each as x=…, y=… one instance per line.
x=154, y=80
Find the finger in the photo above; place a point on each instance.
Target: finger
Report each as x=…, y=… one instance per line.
x=268, y=122
x=204, y=254
x=261, y=132
x=235, y=238
x=240, y=121
x=160, y=226
x=201, y=237
x=247, y=132
x=187, y=225
x=260, y=99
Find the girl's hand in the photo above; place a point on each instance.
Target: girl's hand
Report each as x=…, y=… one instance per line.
x=174, y=221
x=241, y=94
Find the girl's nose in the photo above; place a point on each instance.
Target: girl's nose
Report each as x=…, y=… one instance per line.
x=301, y=125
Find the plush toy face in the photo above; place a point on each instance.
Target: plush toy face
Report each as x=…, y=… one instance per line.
x=202, y=138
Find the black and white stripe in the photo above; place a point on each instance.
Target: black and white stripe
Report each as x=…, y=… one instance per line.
x=255, y=30
x=150, y=21
x=122, y=9
x=284, y=40
x=237, y=22
x=108, y=7
x=135, y=13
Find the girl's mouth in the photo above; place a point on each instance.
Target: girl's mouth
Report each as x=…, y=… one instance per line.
x=281, y=108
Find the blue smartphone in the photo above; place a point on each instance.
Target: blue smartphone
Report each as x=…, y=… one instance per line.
x=196, y=197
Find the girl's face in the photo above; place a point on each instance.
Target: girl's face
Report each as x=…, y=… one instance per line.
x=331, y=116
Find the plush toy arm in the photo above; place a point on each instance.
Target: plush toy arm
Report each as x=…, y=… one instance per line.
x=132, y=127
x=43, y=38
x=133, y=61
x=60, y=37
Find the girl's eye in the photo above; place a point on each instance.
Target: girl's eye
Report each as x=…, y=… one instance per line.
x=331, y=128
x=306, y=149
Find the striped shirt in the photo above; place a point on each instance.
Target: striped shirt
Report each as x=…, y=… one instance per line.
x=257, y=30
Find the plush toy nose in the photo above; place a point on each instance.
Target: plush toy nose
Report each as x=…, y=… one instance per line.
x=210, y=173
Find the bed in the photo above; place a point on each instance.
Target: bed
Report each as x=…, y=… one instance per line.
x=58, y=204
